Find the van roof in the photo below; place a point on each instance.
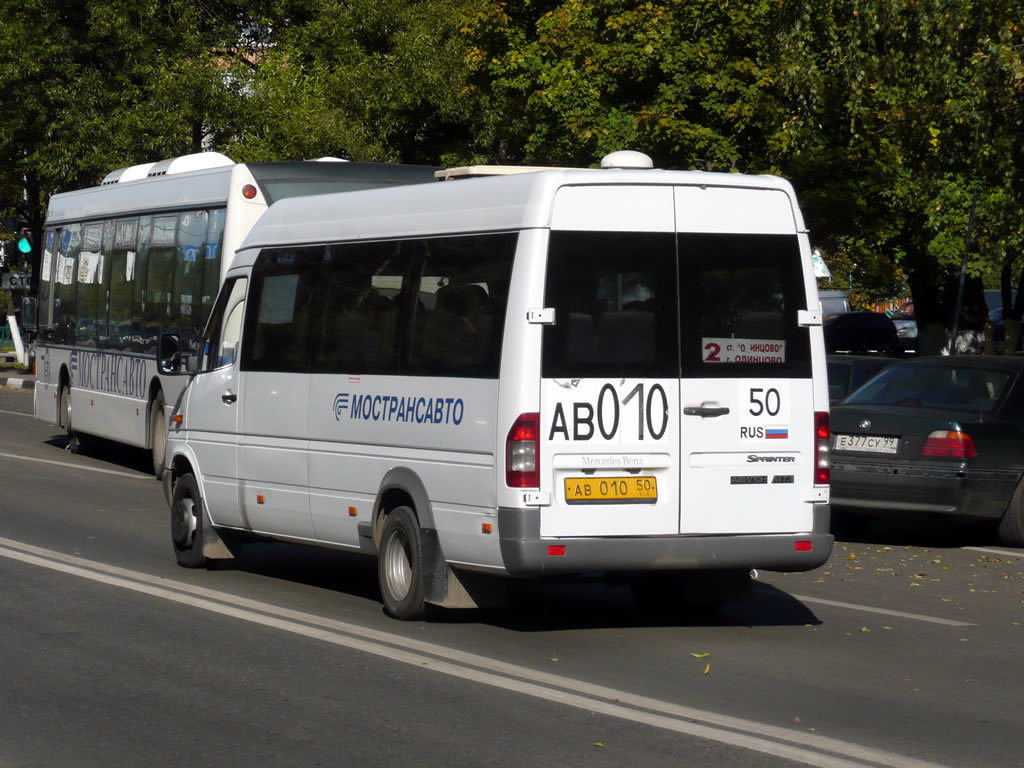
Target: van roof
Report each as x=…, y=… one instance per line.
x=487, y=204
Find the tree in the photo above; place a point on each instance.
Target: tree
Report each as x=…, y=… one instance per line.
x=567, y=82
x=901, y=109
x=361, y=79
x=97, y=84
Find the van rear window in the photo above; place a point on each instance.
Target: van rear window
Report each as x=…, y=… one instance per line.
x=659, y=305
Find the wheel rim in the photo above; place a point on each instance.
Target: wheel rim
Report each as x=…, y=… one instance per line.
x=183, y=522
x=398, y=566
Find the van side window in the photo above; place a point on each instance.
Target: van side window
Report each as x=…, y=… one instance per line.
x=615, y=305
x=459, y=311
x=358, y=307
x=278, y=327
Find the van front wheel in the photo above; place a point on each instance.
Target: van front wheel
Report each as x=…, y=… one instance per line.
x=399, y=569
x=187, y=523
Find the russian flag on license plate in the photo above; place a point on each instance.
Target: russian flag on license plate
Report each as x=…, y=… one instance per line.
x=776, y=433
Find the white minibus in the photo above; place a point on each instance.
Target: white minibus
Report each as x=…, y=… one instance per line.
x=614, y=371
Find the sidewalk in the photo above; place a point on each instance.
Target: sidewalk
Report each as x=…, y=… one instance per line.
x=12, y=377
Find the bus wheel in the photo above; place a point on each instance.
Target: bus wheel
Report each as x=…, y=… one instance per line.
x=158, y=435
x=74, y=440
x=398, y=566
x=187, y=523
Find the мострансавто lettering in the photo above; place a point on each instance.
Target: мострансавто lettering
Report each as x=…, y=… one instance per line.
x=117, y=374
x=412, y=409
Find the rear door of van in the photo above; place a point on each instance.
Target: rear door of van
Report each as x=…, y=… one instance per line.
x=676, y=395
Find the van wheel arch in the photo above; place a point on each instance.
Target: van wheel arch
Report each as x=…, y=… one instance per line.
x=401, y=487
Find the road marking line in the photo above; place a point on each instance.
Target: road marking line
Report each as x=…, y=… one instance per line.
x=16, y=413
x=883, y=611
x=994, y=551
x=807, y=748
x=133, y=475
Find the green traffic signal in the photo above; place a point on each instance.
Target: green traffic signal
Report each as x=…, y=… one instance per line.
x=25, y=241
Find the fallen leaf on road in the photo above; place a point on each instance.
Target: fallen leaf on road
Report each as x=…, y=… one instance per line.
x=699, y=655
x=707, y=669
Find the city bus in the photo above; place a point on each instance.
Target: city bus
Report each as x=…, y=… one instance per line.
x=614, y=371
x=142, y=253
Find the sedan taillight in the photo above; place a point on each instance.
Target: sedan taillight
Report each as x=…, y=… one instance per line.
x=949, y=445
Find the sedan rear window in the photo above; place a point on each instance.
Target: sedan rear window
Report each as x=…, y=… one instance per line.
x=948, y=387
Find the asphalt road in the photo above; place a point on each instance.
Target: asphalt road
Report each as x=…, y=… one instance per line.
x=904, y=650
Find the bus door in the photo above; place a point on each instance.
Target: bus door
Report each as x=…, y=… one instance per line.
x=609, y=420
x=746, y=395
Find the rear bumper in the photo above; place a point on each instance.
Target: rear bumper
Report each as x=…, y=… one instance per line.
x=870, y=487
x=525, y=553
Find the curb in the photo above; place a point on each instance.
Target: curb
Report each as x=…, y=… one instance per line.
x=16, y=382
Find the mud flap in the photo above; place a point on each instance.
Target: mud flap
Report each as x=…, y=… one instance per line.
x=214, y=547
x=448, y=588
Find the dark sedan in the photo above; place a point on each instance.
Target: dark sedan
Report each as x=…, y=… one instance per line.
x=940, y=435
x=859, y=333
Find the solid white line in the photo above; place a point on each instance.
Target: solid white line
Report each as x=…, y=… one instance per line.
x=16, y=413
x=789, y=744
x=133, y=475
x=883, y=611
x=994, y=551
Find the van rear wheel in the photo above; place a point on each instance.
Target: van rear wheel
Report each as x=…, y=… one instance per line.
x=399, y=569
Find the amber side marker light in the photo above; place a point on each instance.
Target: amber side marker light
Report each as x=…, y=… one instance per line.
x=249, y=192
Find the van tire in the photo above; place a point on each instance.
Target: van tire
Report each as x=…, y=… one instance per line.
x=1011, y=526
x=158, y=435
x=187, y=520
x=399, y=566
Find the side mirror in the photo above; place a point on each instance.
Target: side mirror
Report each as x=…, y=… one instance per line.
x=175, y=356
x=28, y=312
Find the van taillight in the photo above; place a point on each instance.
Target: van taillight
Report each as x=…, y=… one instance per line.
x=949, y=445
x=522, y=452
x=821, y=438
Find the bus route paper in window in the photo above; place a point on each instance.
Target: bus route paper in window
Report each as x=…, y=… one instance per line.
x=756, y=351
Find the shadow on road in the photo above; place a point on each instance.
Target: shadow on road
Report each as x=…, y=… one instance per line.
x=919, y=530
x=531, y=606
x=117, y=455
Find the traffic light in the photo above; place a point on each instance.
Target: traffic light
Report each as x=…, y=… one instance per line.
x=24, y=238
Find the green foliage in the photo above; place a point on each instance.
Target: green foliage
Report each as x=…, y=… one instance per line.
x=901, y=110
x=887, y=115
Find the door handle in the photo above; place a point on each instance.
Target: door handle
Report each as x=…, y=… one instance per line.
x=229, y=397
x=705, y=412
